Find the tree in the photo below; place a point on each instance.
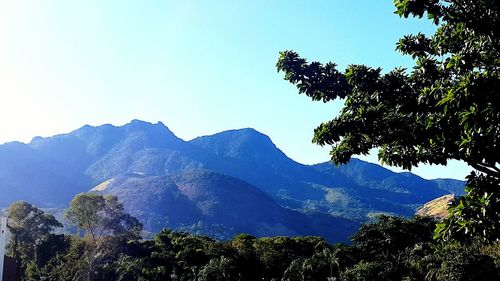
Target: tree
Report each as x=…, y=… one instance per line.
x=104, y=220
x=478, y=212
x=464, y=263
x=85, y=212
x=218, y=269
x=29, y=228
x=449, y=101
x=294, y=272
x=373, y=270
x=381, y=239
x=102, y=215
x=73, y=263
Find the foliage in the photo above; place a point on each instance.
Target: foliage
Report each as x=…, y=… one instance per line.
x=449, y=100
x=73, y=263
x=389, y=234
x=102, y=216
x=29, y=229
x=477, y=214
x=465, y=263
x=41, y=254
x=110, y=228
x=218, y=269
x=84, y=212
x=388, y=249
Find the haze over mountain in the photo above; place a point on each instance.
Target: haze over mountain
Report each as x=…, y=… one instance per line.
x=230, y=182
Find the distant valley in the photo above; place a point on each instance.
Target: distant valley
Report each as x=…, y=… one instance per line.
x=218, y=185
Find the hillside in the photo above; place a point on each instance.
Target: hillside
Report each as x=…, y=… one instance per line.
x=357, y=190
x=437, y=208
x=209, y=203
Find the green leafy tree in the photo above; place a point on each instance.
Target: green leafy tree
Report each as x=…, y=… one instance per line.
x=449, y=101
x=316, y=267
x=457, y=262
x=53, y=246
x=74, y=264
x=391, y=248
x=29, y=228
x=85, y=211
x=333, y=261
x=102, y=216
x=218, y=269
x=295, y=271
x=388, y=236
x=246, y=257
x=130, y=268
x=109, y=227
x=275, y=254
x=373, y=270
x=477, y=212
x=148, y=260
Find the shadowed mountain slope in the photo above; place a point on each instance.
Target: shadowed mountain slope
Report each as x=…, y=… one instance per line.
x=356, y=190
x=213, y=204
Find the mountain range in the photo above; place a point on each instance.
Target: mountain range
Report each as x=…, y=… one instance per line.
x=218, y=185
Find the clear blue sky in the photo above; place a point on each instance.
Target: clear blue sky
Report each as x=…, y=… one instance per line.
x=200, y=67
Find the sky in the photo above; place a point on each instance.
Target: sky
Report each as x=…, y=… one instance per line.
x=200, y=67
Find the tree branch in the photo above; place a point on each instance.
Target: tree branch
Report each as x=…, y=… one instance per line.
x=491, y=171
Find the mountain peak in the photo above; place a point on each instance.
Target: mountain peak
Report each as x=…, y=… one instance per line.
x=239, y=143
x=136, y=123
x=248, y=130
x=249, y=133
x=156, y=134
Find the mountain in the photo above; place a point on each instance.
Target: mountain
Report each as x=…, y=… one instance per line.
x=209, y=203
x=357, y=190
x=253, y=157
x=259, y=160
x=28, y=174
x=437, y=208
x=384, y=191
x=66, y=164
x=50, y=171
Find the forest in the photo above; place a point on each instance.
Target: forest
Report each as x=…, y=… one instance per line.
x=108, y=246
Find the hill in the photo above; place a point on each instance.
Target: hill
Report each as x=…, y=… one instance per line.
x=437, y=208
x=357, y=190
x=208, y=203
x=50, y=171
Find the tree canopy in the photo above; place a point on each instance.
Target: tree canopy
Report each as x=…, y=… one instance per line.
x=445, y=107
x=29, y=228
x=389, y=248
x=102, y=215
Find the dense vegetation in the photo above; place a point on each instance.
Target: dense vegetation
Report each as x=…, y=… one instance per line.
x=109, y=248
